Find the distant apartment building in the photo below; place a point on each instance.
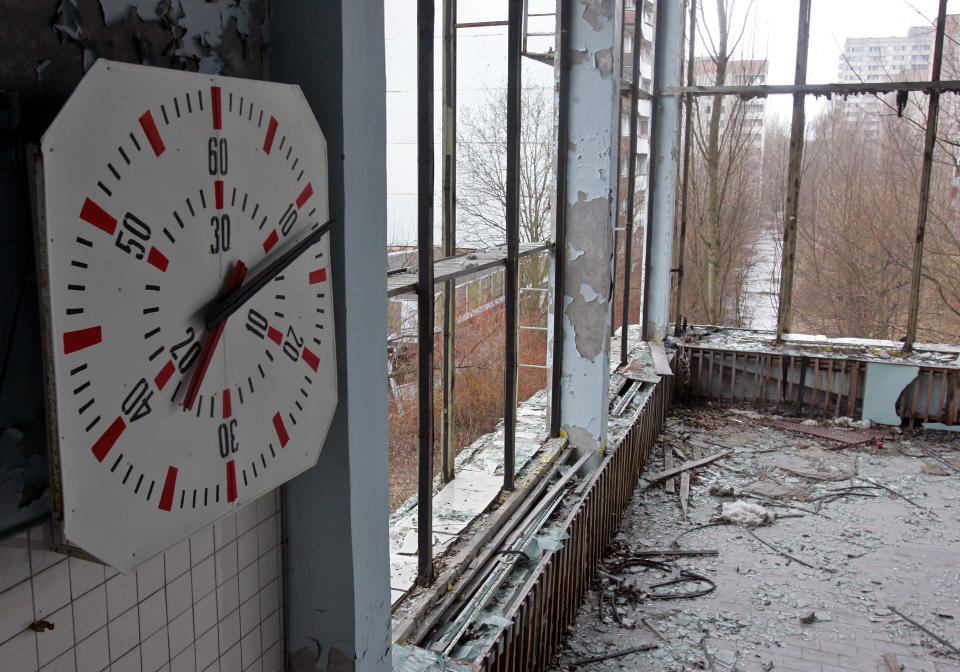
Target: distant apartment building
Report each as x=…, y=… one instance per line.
x=748, y=114
x=879, y=59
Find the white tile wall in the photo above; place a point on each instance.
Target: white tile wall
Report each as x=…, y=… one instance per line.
x=211, y=602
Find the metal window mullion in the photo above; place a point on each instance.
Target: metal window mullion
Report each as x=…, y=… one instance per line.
x=425, y=290
x=794, y=167
x=631, y=186
x=513, y=241
x=685, y=189
x=449, y=242
x=933, y=110
x=560, y=237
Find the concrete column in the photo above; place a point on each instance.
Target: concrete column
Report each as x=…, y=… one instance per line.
x=668, y=45
x=335, y=515
x=590, y=210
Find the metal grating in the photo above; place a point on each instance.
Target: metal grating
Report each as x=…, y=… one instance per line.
x=549, y=599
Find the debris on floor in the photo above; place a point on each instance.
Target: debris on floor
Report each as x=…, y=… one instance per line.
x=746, y=513
x=792, y=551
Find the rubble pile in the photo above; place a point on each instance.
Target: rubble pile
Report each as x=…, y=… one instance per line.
x=781, y=549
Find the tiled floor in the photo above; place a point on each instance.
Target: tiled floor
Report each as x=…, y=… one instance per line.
x=867, y=553
x=211, y=602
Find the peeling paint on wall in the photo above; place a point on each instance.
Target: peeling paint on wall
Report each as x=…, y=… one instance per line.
x=578, y=56
x=596, y=13
x=588, y=276
x=582, y=439
x=604, y=61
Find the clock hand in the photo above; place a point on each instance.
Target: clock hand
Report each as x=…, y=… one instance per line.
x=232, y=301
x=210, y=344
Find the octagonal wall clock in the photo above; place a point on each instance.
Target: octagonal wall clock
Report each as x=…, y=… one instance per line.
x=185, y=283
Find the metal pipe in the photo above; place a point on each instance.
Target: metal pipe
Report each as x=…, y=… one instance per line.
x=513, y=241
x=794, y=166
x=933, y=110
x=425, y=13
x=853, y=89
x=559, y=234
x=662, y=172
x=685, y=189
x=631, y=183
x=448, y=444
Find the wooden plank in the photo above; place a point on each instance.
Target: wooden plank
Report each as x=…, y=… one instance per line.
x=692, y=464
x=684, y=492
x=660, y=362
x=667, y=466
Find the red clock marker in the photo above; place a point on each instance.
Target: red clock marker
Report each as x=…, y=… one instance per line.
x=227, y=406
x=217, y=110
x=271, y=132
x=270, y=241
x=318, y=275
x=158, y=259
x=164, y=374
x=169, y=487
x=153, y=135
x=100, y=218
x=218, y=191
x=80, y=339
x=311, y=359
x=231, y=481
x=281, y=430
x=109, y=437
x=305, y=195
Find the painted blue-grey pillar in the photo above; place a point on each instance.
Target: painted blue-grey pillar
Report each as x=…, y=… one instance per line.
x=668, y=45
x=587, y=255
x=335, y=515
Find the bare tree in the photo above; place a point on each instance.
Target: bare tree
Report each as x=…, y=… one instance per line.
x=724, y=215
x=482, y=168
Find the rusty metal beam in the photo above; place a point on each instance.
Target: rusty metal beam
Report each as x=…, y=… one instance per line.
x=794, y=166
x=933, y=110
x=425, y=317
x=448, y=443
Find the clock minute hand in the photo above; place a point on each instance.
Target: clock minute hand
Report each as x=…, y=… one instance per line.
x=227, y=305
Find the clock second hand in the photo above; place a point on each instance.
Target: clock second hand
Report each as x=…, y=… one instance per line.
x=213, y=338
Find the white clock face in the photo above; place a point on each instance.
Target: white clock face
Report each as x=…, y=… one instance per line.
x=158, y=186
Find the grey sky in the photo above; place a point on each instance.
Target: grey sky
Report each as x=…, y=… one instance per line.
x=772, y=32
